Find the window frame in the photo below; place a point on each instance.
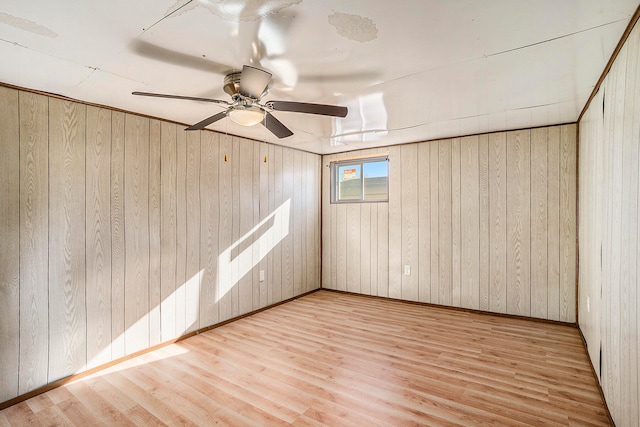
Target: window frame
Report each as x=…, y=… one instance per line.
x=334, y=166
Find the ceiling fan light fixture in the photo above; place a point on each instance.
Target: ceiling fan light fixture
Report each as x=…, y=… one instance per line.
x=246, y=88
x=246, y=115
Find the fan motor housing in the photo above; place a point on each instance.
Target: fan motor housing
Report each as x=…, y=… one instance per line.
x=232, y=83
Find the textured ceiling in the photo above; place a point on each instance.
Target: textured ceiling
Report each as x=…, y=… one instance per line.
x=408, y=70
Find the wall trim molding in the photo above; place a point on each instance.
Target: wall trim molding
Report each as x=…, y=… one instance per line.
x=460, y=309
x=119, y=110
x=595, y=377
x=70, y=378
x=614, y=55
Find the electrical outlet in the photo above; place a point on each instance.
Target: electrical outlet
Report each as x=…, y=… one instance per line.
x=262, y=275
x=407, y=270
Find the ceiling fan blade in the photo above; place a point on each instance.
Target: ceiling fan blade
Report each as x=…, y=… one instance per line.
x=206, y=122
x=275, y=126
x=253, y=81
x=190, y=98
x=303, y=107
x=162, y=54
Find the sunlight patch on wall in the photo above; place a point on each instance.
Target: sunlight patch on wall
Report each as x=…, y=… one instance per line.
x=232, y=269
x=189, y=291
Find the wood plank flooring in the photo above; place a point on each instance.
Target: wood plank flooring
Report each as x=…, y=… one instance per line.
x=338, y=359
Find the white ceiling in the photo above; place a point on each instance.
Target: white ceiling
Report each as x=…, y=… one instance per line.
x=408, y=70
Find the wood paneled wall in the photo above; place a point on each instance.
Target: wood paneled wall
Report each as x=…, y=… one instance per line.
x=485, y=222
x=609, y=297
x=111, y=229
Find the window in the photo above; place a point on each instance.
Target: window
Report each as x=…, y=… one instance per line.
x=360, y=180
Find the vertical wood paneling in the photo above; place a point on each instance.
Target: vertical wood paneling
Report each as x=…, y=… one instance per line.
x=609, y=231
x=209, y=208
x=585, y=202
x=98, y=236
x=353, y=247
x=601, y=179
x=485, y=223
x=424, y=222
x=67, y=288
x=317, y=222
x=245, y=187
x=539, y=184
x=10, y=247
x=278, y=200
x=117, y=235
x=585, y=233
x=136, y=229
x=518, y=222
x=335, y=225
x=373, y=245
x=168, y=230
x=383, y=249
x=498, y=222
x=616, y=343
x=235, y=223
x=327, y=225
x=303, y=221
x=365, y=248
x=115, y=222
x=255, y=209
x=611, y=248
x=271, y=259
x=328, y=214
x=181, y=231
x=34, y=241
x=155, y=291
x=455, y=222
x=225, y=226
x=631, y=365
x=568, y=223
x=395, y=222
x=461, y=216
x=194, y=276
x=298, y=234
x=409, y=217
x=445, y=233
x=434, y=176
x=312, y=205
x=287, y=243
x=592, y=199
x=379, y=226
x=470, y=223
x=342, y=257
x=264, y=210
x=553, y=223
x=629, y=355
x=119, y=228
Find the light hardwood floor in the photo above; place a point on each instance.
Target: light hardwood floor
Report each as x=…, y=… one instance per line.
x=337, y=359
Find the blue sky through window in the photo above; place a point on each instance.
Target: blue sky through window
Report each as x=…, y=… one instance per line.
x=376, y=169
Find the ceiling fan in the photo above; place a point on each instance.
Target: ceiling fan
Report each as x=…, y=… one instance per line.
x=246, y=88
